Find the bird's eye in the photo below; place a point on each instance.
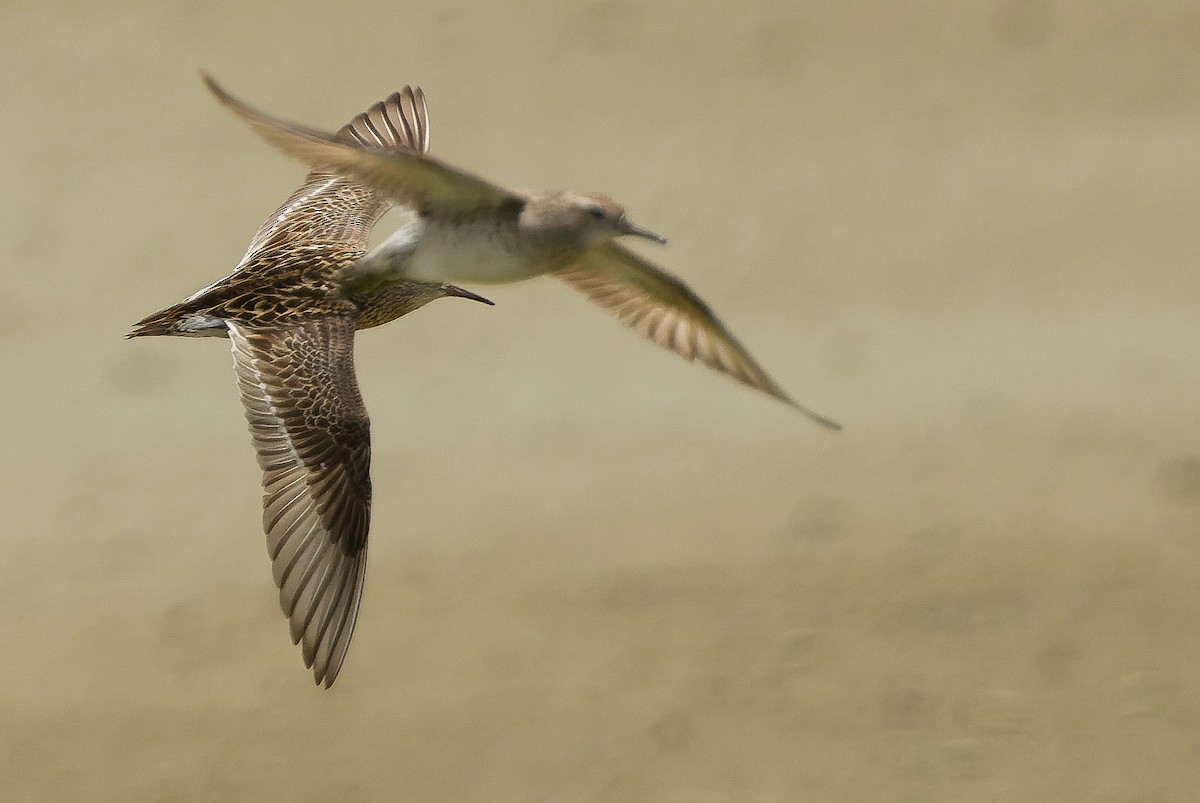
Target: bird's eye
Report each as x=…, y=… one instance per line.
x=596, y=212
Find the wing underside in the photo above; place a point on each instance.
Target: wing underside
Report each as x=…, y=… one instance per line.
x=312, y=438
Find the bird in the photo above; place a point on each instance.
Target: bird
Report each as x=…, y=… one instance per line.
x=464, y=228
x=290, y=309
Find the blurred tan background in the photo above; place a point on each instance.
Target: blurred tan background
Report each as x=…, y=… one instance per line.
x=966, y=230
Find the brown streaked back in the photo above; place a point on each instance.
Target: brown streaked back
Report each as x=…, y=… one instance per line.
x=331, y=207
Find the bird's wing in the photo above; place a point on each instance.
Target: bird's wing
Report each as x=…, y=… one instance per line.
x=332, y=208
x=406, y=177
x=665, y=310
x=312, y=436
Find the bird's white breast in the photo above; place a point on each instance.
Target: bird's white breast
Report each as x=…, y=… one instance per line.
x=469, y=252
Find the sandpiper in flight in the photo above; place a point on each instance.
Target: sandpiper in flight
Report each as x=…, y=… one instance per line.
x=468, y=229
x=290, y=309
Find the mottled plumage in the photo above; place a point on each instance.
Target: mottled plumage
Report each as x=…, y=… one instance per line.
x=468, y=229
x=290, y=309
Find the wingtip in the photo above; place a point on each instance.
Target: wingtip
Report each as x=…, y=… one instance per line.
x=815, y=417
x=323, y=675
x=219, y=92
x=211, y=84
x=405, y=92
x=828, y=423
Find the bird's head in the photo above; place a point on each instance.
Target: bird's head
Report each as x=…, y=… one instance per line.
x=581, y=218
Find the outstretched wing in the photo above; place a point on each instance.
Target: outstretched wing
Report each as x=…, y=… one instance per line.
x=312, y=436
x=329, y=207
x=665, y=310
x=405, y=176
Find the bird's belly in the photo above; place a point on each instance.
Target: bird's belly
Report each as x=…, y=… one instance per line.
x=468, y=254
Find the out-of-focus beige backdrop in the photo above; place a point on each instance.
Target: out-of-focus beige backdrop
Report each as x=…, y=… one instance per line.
x=967, y=230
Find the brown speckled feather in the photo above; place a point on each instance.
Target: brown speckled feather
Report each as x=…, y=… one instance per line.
x=312, y=436
x=302, y=249
x=330, y=207
x=290, y=311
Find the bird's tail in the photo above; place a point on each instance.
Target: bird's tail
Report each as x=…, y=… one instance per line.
x=180, y=320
